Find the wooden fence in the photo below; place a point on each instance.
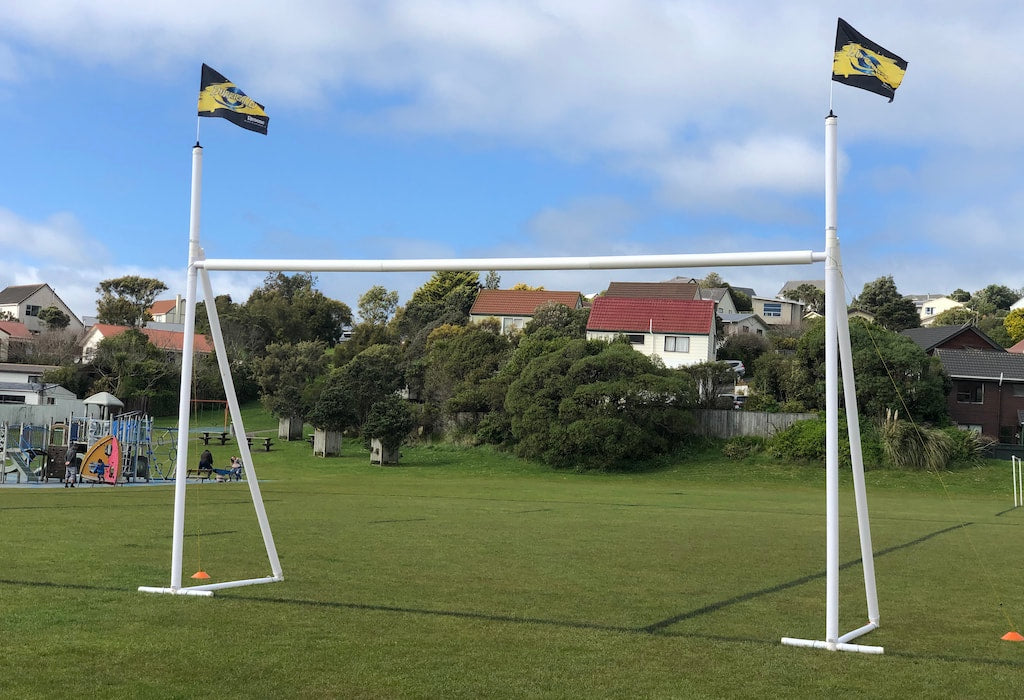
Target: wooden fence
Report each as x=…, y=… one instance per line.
x=727, y=424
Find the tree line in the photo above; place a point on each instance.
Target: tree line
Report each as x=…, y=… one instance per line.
x=545, y=392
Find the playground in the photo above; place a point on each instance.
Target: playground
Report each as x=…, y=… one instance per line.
x=468, y=573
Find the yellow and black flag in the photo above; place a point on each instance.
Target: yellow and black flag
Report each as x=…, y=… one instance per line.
x=219, y=97
x=862, y=63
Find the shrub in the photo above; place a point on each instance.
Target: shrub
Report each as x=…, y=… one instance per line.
x=743, y=446
x=761, y=402
x=968, y=447
x=390, y=420
x=906, y=445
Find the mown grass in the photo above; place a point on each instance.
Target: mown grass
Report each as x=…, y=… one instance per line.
x=468, y=573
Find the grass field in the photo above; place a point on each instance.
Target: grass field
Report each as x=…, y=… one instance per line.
x=467, y=573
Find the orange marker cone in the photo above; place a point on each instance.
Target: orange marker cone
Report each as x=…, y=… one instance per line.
x=203, y=574
x=1012, y=637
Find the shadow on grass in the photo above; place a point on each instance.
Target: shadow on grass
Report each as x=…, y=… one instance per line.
x=659, y=628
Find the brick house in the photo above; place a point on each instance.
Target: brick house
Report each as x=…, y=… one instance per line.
x=988, y=391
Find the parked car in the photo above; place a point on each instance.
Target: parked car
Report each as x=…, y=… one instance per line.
x=737, y=366
x=733, y=401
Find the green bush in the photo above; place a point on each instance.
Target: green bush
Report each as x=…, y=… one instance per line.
x=743, y=446
x=761, y=402
x=968, y=447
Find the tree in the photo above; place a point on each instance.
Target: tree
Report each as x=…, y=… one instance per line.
x=956, y=316
x=377, y=305
x=53, y=318
x=893, y=372
x=891, y=309
x=55, y=347
x=960, y=295
x=712, y=280
x=523, y=286
x=446, y=295
x=288, y=309
x=370, y=376
x=560, y=318
x=594, y=405
x=744, y=346
x=1014, y=325
x=460, y=357
x=992, y=326
x=389, y=421
x=334, y=409
x=125, y=301
x=287, y=374
x=993, y=298
x=812, y=298
x=134, y=370
x=711, y=379
x=742, y=299
x=493, y=280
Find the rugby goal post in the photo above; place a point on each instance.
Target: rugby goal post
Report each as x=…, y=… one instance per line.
x=837, y=350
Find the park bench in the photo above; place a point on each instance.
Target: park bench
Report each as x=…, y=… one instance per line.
x=222, y=436
x=267, y=442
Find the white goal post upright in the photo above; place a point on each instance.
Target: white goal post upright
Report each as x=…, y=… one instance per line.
x=837, y=349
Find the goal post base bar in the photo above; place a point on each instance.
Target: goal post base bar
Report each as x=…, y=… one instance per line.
x=841, y=644
x=208, y=589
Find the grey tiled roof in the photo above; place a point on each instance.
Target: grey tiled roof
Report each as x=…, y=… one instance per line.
x=982, y=364
x=928, y=337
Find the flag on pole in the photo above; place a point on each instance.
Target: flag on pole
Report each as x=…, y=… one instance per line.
x=219, y=97
x=862, y=63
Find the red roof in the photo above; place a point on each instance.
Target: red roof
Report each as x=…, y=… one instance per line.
x=165, y=340
x=15, y=329
x=519, y=302
x=163, y=306
x=625, y=315
x=1019, y=347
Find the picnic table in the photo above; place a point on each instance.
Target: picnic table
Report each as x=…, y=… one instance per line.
x=222, y=435
x=267, y=442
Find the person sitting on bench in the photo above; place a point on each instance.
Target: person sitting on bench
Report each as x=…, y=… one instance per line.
x=205, y=463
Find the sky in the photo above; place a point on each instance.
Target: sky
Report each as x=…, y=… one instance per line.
x=487, y=128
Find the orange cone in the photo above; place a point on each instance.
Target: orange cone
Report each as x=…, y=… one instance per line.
x=203, y=574
x=1012, y=637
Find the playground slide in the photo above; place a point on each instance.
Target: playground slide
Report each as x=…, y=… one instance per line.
x=21, y=465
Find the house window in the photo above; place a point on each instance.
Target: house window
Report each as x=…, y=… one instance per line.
x=973, y=427
x=510, y=323
x=31, y=310
x=677, y=343
x=1018, y=389
x=744, y=329
x=929, y=310
x=773, y=308
x=9, y=398
x=635, y=338
x=35, y=379
x=970, y=392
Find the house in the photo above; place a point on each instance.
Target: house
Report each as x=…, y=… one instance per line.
x=965, y=337
x=778, y=312
x=930, y=308
x=681, y=332
x=725, y=301
x=1018, y=347
x=13, y=334
x=794, y=285
x=653, y=290
x=168, y=310
x=745, y=322
x=861, y=314
x=25, y=374
x=170, y=341
x=988, y=391
x=24, y=302
x=514, y=307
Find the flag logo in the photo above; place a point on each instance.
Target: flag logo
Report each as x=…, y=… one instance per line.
x=219, y=97
x=862, y=63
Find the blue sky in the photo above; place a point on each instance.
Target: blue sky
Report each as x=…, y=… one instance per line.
x=444, y=128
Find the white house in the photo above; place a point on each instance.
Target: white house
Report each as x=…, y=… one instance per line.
x=514, y=307
x=681, y=332
x=929, y=306
x=168, y=310
x=24, y=302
